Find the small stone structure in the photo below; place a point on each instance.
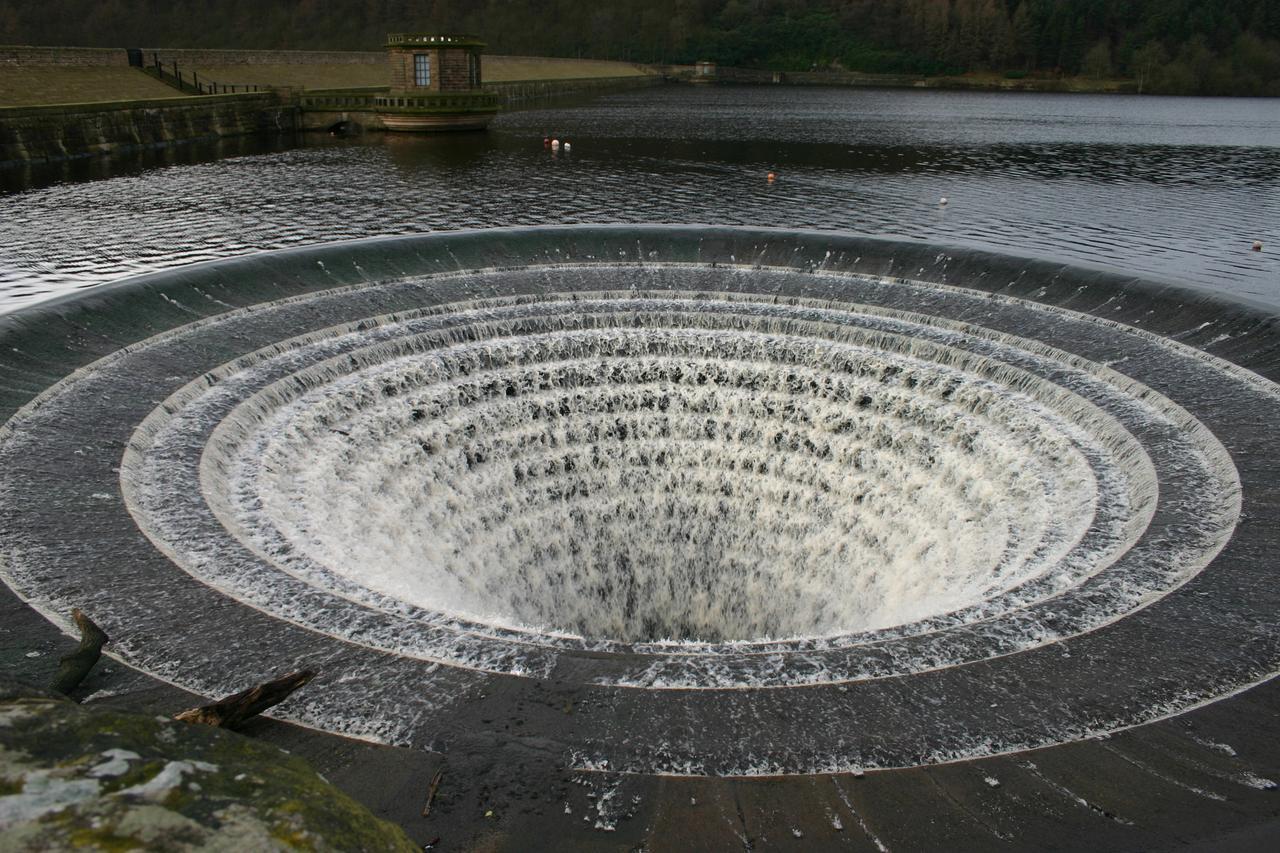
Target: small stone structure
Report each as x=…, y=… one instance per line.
x=435, y=84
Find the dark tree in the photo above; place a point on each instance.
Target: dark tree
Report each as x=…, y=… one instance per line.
x=1209, y=46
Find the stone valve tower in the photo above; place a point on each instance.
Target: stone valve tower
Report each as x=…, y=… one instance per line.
x=435, y=84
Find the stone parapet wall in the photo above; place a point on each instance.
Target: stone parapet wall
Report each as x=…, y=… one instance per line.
x=200, y=57
x=35, y=134
x=90, y=57
x=68, y=57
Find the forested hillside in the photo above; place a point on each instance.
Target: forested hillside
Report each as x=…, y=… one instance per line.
x=1191, y=46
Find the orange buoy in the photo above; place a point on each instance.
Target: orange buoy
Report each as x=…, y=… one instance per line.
x=771, y=177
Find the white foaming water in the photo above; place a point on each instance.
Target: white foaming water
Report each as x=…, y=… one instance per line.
x=640, y=470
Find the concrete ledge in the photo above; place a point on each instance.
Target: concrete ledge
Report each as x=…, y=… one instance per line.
x=9, y=113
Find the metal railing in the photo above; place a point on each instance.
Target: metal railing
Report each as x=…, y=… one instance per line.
x=192, y=83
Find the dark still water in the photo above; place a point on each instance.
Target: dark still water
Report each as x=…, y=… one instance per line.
x=1175, y=188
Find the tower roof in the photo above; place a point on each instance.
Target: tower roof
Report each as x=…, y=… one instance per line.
x=432, y=40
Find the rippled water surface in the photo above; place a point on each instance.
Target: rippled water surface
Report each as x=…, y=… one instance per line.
x=1175, y=188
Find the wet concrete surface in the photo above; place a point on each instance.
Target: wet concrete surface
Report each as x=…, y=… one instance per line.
x=1171, y=785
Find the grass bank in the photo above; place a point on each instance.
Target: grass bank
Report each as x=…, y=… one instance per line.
x=36, y=85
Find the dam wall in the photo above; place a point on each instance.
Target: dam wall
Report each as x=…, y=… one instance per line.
x=103, y=57
x=198, y=57
x=518, y=91
x=63, y=57
x=67, y=131
x=81, y=125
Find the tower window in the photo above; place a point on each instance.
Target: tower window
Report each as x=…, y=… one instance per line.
x=422, y=69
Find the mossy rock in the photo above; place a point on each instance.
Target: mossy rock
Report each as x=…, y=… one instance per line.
x=75, y=778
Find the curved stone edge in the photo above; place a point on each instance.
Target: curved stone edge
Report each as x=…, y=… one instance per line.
x=43, y=343
x=170, y=406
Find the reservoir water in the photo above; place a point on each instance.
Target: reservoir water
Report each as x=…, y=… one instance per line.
x=778, y=478
x=1177, y=189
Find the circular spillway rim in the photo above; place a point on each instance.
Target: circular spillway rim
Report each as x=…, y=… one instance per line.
x=533, y=635
x=1215, y=664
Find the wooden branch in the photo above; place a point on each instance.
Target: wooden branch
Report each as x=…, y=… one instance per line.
x=235, y=709
x=431, y=792
x=74, y=666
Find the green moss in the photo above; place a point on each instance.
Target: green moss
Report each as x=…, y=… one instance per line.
x=247, y=791
x=292, y=836
x=102, y=839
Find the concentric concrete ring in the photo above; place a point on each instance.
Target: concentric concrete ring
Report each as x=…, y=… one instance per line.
x=768, y=502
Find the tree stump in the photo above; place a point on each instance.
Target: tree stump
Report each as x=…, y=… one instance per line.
x=235, y=709
x=73, y=667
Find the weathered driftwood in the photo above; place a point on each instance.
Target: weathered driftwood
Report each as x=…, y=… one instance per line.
x=235, y=709
x=431, y=792
x=74, y=666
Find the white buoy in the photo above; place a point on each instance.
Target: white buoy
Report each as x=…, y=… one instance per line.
x=567, y=146
x=943, y=201
x=1257, y=246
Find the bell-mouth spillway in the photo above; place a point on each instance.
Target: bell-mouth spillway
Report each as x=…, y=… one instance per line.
x=973, y=503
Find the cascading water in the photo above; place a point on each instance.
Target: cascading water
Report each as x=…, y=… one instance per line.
x=680, y=469
x=636, y=469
